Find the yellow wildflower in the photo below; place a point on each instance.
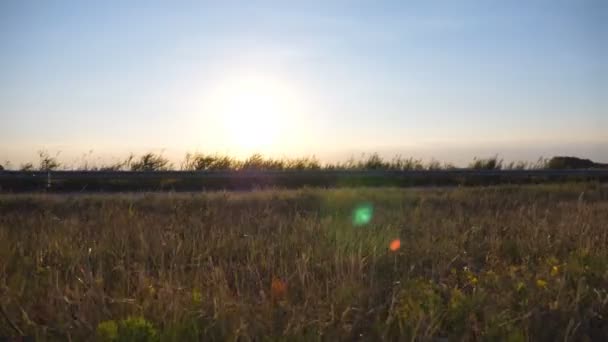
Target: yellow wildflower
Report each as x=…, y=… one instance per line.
x=554, y=271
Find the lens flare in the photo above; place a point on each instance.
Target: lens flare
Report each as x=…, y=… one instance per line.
x=278, y=289
x=363, y=214
x=395, y=245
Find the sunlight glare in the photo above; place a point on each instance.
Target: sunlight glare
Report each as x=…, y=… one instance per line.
x=257, y=112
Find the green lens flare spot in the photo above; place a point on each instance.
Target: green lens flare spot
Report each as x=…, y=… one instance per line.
x=363, y=214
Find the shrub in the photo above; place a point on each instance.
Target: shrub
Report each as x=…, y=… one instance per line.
x=571, y=163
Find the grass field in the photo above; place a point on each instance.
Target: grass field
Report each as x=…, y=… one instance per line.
x=496, y=263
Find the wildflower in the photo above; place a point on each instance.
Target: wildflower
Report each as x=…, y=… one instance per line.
x=395, y=245
x=541, y=284
x=520, y=286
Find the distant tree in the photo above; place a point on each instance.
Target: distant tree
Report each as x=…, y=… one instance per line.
x=151, y=162
x=572, y=163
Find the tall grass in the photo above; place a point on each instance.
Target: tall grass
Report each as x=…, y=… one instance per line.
x=216, y=162
x=494, y=263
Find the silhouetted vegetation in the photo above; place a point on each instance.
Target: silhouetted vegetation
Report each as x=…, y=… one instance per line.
x=258, y=171
x=151, y=162
x=205, y=162
x=216, y=162
x=47, y=162
x=26, y=167
x=492, y=163
x=573, y=163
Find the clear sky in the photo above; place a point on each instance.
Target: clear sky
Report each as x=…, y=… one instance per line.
x=449, y=79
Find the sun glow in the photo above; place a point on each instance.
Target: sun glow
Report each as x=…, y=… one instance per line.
x=256, y=113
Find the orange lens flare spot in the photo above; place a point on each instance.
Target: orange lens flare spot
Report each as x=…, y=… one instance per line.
x=278, y=289
x=395, y=245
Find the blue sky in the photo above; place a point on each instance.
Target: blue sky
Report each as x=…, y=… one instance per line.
x=445, y=79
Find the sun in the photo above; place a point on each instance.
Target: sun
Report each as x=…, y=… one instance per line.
x=255, y=112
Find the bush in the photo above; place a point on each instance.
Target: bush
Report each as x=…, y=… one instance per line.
x=571, y=163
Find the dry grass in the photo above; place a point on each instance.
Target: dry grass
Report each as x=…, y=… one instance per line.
x=519, y=263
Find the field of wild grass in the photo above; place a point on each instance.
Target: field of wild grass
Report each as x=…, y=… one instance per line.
x=494, y=263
